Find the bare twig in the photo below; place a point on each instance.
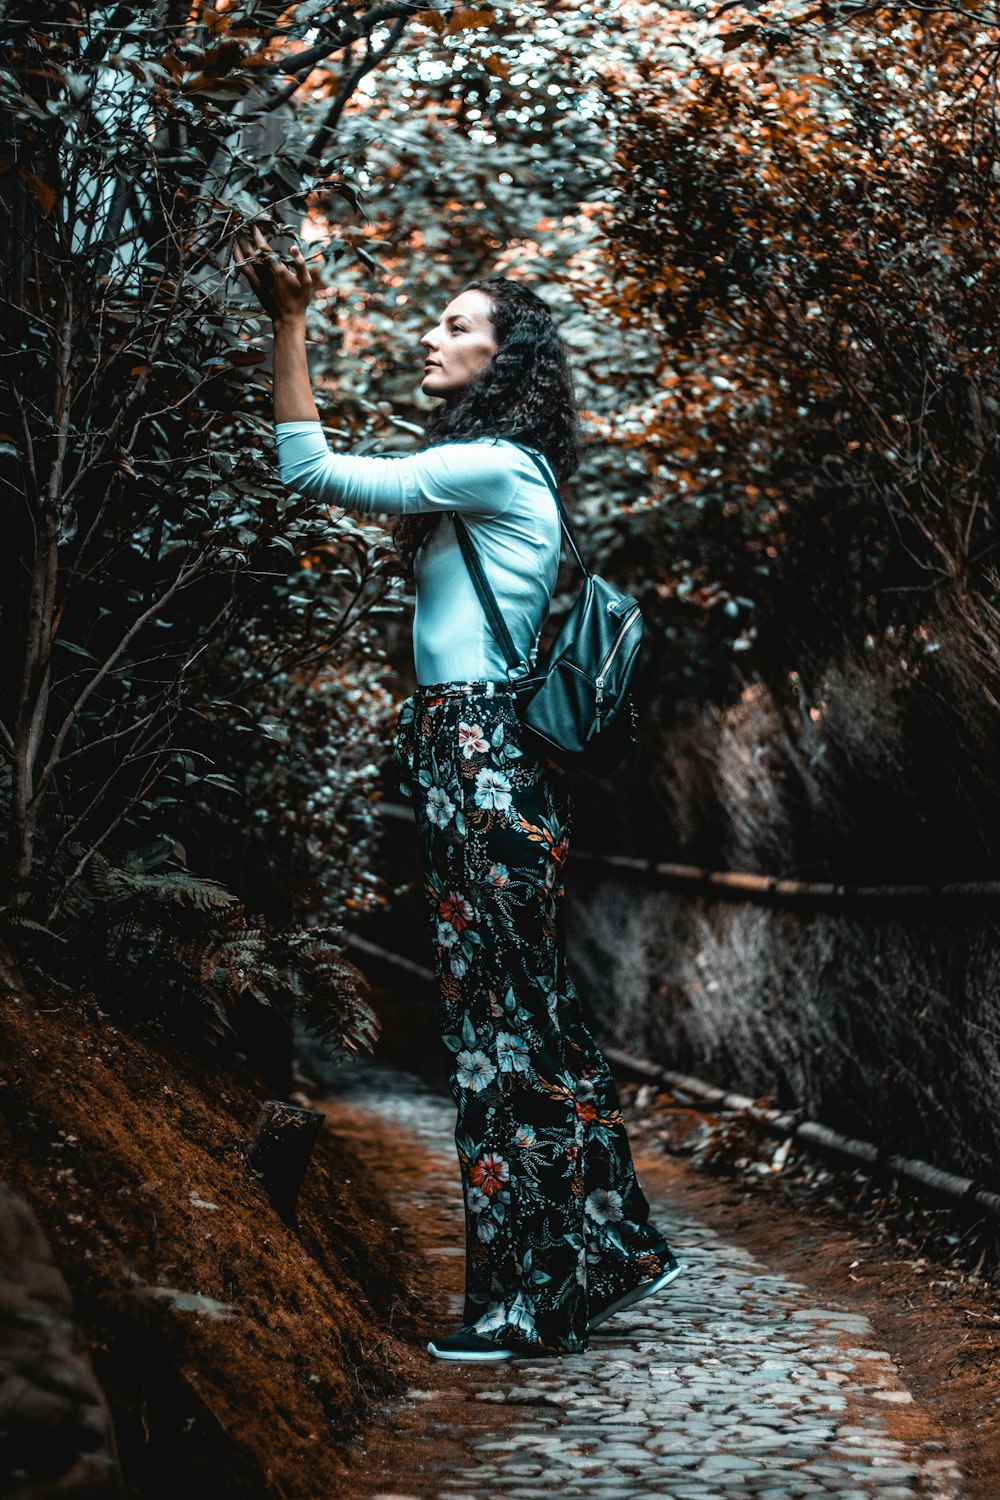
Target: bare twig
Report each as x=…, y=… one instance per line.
x=183, y=578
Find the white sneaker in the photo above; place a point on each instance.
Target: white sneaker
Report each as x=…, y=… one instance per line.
x=469, y=1346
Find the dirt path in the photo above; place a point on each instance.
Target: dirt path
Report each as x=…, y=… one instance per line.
x=755, y=1375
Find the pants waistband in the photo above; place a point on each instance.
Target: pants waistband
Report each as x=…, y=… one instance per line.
x=472, y=689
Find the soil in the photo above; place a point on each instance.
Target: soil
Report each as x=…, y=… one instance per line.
x=125, y=1146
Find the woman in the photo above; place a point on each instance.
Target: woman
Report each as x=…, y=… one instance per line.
x=558, y=1235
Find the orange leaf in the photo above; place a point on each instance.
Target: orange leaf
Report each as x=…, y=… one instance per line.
x=497, y=66
x=41, y=190
x=431, y=18
x=468, y=18
x=246, y=356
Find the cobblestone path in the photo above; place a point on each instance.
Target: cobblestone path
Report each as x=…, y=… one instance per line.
x=731, y=1383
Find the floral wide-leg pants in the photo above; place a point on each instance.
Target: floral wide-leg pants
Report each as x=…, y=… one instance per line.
x=556, y=1223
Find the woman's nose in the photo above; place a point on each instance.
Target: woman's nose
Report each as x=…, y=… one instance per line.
x=427, y=341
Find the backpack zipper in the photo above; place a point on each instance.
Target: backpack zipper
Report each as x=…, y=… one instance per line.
x=606, y=665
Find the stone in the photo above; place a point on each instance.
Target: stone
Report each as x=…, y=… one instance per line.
x=58, y=1436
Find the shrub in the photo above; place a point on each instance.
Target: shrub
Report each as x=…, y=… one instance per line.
x=190, y=693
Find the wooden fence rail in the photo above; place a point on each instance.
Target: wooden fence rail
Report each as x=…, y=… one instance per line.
x=734, y=885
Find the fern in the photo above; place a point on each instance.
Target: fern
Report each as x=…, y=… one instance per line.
x=314, y=962
x=178, y=938
x=120, y=886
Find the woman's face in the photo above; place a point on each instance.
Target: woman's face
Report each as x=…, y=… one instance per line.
x=460, y=347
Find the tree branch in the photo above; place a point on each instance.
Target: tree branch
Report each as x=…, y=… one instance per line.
x=184, y=577
x=379, y=15
x=371, y=60
x=301, y=64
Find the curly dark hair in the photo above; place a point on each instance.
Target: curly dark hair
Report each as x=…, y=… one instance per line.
x=525, y=393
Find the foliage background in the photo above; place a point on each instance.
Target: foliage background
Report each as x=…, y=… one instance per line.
x=806, y=220
x=769, y=234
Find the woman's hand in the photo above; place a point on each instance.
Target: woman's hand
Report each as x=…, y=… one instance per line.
x=283, y=287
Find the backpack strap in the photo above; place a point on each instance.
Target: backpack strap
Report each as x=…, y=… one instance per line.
x=487, y=598
x=567, y=524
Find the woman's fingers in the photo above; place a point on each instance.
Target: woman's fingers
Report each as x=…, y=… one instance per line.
x=254, y=249
x=282, y=283
x=300, y=268
x=250, y=258
x=244, y=264
x=260, y=241
x=242, y=253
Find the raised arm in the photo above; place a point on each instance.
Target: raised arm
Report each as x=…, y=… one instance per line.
x=474, y=477
x=478, y=478
x=284, y=290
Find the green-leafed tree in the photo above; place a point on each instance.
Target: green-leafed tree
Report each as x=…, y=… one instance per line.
x=192, y=695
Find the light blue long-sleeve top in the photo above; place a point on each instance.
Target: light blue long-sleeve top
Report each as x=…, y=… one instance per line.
x=511, y=516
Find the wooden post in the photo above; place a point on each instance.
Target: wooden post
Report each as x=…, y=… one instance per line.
x=277, y=1152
